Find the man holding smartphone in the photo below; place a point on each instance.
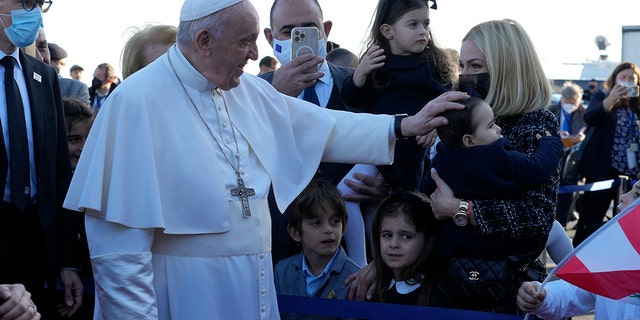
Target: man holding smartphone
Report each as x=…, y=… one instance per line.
x=301, y=70
x=300, y=76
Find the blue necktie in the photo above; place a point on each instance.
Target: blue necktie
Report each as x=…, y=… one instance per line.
x=18, y=145
x=310, y=95
x=98, y=102
x=566, y=124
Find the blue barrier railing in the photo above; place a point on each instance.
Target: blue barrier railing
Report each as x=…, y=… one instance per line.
x=595, y=186
x=378, y=311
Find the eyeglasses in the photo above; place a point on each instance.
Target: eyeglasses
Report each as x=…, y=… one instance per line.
x=43, y=4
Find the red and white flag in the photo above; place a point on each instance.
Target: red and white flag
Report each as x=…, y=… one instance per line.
x=608, y=262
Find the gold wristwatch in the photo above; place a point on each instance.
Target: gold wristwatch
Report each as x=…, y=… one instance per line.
x=461, y=218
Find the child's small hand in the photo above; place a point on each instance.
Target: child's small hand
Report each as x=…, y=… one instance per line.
x=427, y=140
x=372, y=59
x=528, y=296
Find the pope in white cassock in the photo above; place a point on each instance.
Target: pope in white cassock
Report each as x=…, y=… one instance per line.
x=175, y=174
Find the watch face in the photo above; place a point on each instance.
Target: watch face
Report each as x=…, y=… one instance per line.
x=460, y=219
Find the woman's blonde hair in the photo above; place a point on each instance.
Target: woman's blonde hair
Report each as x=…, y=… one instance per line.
x=133, y=52
x=518, y=83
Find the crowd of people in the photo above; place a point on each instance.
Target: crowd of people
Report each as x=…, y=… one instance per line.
x=389, y=177
x=510, y=233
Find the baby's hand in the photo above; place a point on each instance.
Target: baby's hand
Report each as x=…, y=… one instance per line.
x=538, y=136
x=427, y=140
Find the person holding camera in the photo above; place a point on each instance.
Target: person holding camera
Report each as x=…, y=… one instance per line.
x=613, y=148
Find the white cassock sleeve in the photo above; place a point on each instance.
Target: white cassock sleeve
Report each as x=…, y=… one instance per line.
x=122, y=270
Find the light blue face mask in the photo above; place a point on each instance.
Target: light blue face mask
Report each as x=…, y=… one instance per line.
x=25, y=27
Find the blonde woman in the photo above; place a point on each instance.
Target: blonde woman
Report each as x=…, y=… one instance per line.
x=146, y=45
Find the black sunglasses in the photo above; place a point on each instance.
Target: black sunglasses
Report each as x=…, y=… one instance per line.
x=44, y=4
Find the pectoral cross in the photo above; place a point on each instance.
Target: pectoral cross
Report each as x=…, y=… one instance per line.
x=243, y=193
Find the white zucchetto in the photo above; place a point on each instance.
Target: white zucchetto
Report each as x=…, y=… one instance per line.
x=196, y=9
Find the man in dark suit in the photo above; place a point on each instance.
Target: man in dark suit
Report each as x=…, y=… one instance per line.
x=69, y=88
x=301, y=78
x=37, y=236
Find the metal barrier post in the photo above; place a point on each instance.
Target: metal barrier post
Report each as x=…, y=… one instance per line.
x=620, y=190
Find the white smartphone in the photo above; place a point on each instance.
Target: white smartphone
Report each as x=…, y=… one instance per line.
x=304, y=40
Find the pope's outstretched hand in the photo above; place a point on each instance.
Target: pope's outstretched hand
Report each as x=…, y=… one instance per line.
x=428, y=118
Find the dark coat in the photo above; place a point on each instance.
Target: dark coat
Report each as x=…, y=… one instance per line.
x=495, y=170
x=410, y=82
x=92, y=92
x=596, y=157
x=59, y=240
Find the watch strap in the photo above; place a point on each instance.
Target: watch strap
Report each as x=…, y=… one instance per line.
x=464, y=207
x=461, y=218
x=397, y=125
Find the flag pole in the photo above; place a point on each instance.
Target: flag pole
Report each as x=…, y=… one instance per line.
x=571, y=254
